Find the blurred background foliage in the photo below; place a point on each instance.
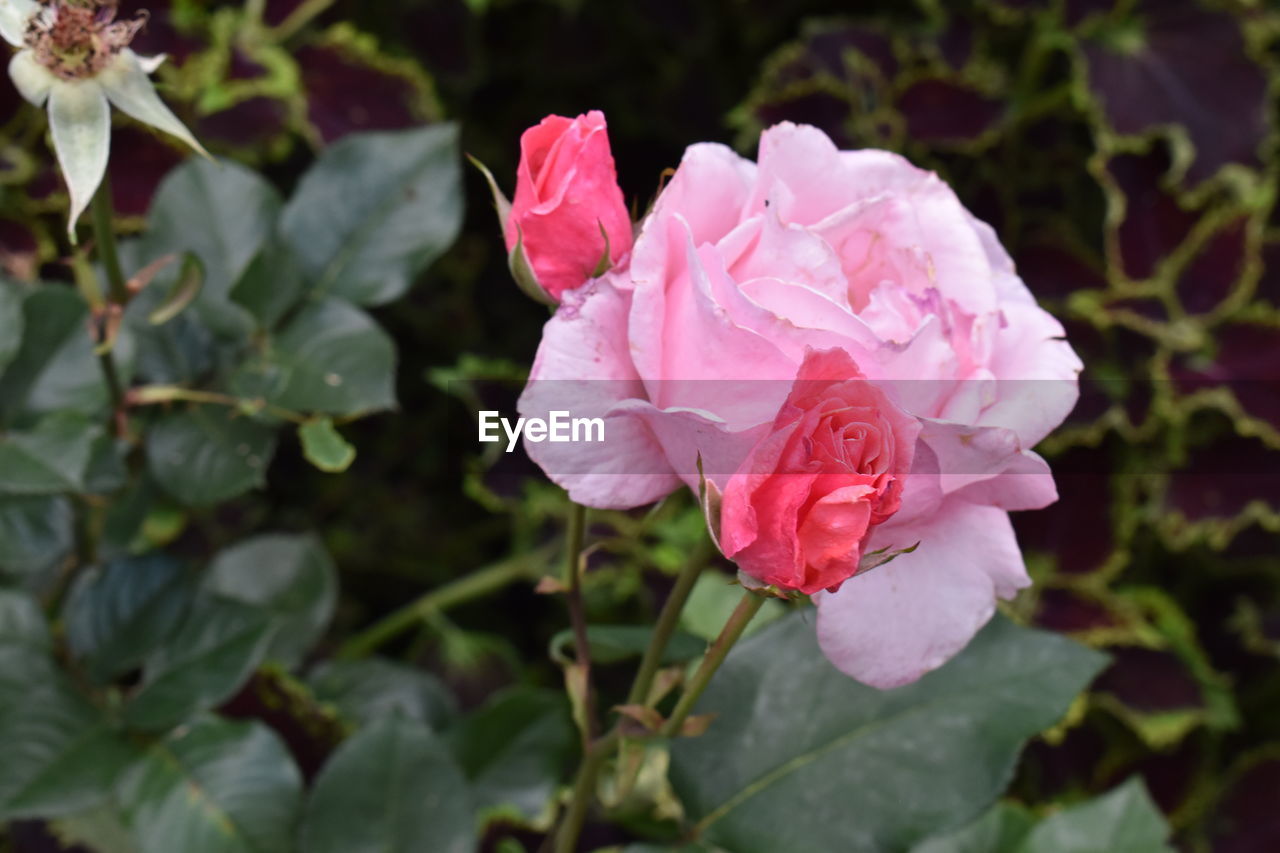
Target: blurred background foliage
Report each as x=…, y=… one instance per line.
x=1125, y=151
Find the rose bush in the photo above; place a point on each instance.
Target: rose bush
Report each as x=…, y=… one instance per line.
x=739, y=271
x=568, y=215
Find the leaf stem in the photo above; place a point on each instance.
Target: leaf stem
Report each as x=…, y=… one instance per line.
x=475, y=585
x=730, y=634
x=300, y=17
x=152, y=395
x=668, y=620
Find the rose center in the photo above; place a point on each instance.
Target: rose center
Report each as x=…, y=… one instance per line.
x=76, y=39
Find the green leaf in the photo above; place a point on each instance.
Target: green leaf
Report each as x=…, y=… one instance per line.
x=206, y=454
x=11, y=323
x=332, y=359
x=870, y=770
x=60, y=755
x=392, y=788
x=325, y=447
x=272, y=284
x=292, y=578
x=35, y=533
x=100, y=829
x=55, y=368
x=204, y=664
x=516, y=750
x=616, y=643
x=214, y=787
x=118, y=614
x=376, y=210
x=1000, y=830
x=369, y=690
x=221, y=212
x=1124, y=819
x=21, y=622
x=51, y=458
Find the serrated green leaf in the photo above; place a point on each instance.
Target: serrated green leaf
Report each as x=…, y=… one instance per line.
x=272, y=283
x=206, y=662
x=516, y=750
x=332, y=358
x=375, y=688
x=118, y=614
x=60, y=754
x=214, y=787
x=392, y=788
x=376, y=210
x=325, y=447
x=222, y=213
x=205, y=455
x=869, y=769
x=292, y=578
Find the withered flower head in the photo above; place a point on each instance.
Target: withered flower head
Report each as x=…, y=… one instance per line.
x=74, y=55
x=80, y=38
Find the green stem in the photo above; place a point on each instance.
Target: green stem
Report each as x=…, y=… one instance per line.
x=117, y=298
x=152, y=395
x=668, y=620
x=105, y=239
x=475, y=585
x=730, y=634
x=584, y=789
x=575, y=536
x=300, y=17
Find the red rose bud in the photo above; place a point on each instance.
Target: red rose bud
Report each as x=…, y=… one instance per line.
x=568, y=222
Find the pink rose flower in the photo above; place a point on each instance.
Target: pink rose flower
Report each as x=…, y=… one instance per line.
x=797, y=513
x=567, y=199
x=690, y=351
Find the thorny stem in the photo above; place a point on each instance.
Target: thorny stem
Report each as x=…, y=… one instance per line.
x=475, y=585
x=574, y=538
x=668, y=619
x=584, y=788
x=730, y=634
x=593, y=759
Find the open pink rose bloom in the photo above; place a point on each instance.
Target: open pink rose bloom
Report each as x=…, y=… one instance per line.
x=850, y=360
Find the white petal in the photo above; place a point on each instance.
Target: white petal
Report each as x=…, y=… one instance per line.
x=80, y=120
x=32, y=79
x=126, y=83
x=893, y=624
x=151, y=64
x=15, y=15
